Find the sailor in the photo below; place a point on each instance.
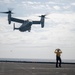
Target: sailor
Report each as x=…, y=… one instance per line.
x=58, y=58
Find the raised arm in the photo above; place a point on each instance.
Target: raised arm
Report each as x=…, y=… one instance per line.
x=55, y=51
x=60, y=51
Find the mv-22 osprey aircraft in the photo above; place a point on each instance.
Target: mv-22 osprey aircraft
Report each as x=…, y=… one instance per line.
x=26, y=24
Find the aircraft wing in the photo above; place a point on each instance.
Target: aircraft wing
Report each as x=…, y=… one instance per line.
x=26, y=24
x=36, y=22
x=17, y=20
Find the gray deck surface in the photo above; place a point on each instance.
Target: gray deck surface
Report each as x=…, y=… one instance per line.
x=11, y=68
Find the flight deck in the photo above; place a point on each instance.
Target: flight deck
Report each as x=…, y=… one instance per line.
x=15, y=68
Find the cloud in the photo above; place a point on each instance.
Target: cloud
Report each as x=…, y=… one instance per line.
x=61, y=25
x=31, y=2
x=33, y=5
x=58, y=30
x=67, y=7
x=56, y=7
x=6, y=1
x=50, y=2
x=62, y=18
x=73, y=4
x=53, y=6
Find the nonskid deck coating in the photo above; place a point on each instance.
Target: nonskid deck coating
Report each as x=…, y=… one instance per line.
x=11, y=68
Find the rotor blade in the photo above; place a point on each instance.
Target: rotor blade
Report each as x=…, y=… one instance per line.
x=4, y=12
x=12, y=13
x=42, y=16
x=10, y=9
x=47, y=14
x=39, y=16
x=7, y=12
x=47, y=18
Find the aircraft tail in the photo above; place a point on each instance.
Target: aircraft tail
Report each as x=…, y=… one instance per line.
x=14, y=27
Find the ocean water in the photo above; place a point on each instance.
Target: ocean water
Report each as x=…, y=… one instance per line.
x=36, y=60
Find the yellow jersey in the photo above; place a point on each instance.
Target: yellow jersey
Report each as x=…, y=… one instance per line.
x=58, y=53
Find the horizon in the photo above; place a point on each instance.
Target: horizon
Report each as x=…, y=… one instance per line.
x=36, y=60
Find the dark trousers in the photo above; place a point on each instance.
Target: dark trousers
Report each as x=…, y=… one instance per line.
x=58, y=61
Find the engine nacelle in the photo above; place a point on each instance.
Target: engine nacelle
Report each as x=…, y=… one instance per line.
x=9, y=18
x=42, y=25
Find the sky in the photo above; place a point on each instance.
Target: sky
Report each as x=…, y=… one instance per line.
x=40, y=43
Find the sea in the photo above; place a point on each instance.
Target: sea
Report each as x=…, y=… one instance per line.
x=35, y=60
